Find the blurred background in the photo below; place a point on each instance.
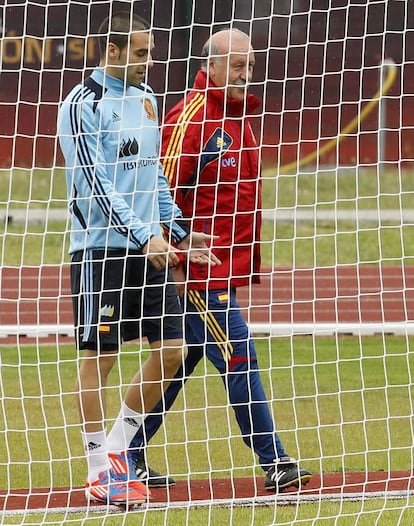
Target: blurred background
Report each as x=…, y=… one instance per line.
x=318, y=63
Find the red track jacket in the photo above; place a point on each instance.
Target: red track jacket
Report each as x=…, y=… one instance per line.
x=211, y=159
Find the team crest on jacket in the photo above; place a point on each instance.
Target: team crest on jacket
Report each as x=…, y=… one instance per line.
x=149, y=109
x=216, y=146
x=221, y=143
x=218, y=143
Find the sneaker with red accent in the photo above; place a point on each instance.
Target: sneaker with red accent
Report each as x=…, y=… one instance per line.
x=124, y=469
x=110, y=490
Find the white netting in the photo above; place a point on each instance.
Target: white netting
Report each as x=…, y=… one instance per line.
x=332, y=318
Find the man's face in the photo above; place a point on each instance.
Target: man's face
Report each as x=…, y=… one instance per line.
x=131, y=63
x=234, y=71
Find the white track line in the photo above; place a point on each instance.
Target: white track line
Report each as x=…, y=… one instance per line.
x=281, y=214
x=281, y=500
x=256, y=329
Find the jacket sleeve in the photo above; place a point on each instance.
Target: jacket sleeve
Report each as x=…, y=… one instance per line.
x=170, y=213
x=90, y=177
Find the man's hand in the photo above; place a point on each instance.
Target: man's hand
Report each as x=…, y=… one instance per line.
x=160, y=253
x=195, y=245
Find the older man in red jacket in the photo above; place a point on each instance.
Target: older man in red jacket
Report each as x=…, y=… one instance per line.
x=211, y=159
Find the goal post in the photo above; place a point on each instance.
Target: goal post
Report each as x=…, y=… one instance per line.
x=333, y=317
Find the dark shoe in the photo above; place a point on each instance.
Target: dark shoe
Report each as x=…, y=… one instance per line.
x=149, y=476
x=286, y=474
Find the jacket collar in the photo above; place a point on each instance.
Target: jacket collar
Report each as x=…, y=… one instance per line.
x=101, y=77
x=114, y=84
x=231, y=107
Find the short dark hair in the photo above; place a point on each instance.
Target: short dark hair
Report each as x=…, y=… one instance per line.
x=116, y=29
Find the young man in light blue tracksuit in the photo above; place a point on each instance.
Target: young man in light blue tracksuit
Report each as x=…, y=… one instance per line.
x=118, y=198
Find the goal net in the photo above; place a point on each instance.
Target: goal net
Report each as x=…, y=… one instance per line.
x=332, y=318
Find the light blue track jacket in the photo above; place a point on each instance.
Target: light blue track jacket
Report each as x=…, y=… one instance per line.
x=117, y=192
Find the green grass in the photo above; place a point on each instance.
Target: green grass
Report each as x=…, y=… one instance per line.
x=341, y=404
x=34, y=245
x=37, y=188
x=323, y=243
x=312, y=243
x=309, y=244
x=378, y=512
x=283, y=245
x=333, y=189
x=344, y=188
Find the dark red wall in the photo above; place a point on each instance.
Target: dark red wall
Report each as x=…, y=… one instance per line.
x=317, y=67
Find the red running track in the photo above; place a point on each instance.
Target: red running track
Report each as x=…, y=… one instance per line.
x=358, y=294
x=341, y=485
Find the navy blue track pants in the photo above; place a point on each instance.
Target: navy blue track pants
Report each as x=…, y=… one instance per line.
x=215, y=325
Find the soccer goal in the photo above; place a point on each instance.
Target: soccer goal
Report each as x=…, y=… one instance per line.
x=332, y=318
